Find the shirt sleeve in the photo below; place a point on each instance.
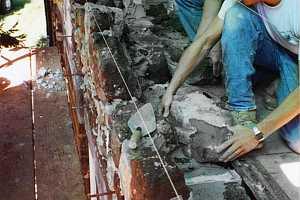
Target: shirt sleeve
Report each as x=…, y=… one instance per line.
x=225, y=7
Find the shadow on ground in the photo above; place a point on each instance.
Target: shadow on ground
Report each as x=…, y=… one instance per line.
x=16, y=6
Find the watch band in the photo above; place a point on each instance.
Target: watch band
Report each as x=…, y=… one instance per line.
x=258, y=134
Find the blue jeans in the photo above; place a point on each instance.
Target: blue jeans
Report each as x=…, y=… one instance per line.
x=246, y=43
x=190, y=13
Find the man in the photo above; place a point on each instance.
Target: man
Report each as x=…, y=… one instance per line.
x=270, y=39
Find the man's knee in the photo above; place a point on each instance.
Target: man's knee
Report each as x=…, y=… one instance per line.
x=236, y=19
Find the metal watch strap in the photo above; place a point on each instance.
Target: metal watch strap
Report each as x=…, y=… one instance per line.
x=258, y=134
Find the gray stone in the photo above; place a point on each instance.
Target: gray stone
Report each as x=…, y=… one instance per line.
x=148, y=54
x=235, y=191
x=134, y=8
x=206, y=140
x=200, y=125
x=105, y=2
x=214, y=182
x=108, y=18
x=97, y=56
x=163, y=127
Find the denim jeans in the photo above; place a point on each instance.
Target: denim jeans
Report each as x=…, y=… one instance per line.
x=246, y=43
x=190, y=13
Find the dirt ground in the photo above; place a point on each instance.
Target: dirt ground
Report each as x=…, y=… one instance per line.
x=30, y=15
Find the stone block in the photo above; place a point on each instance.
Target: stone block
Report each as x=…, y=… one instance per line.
x=134, y=8
x=106, y=18
x=143, y=178
x=214, y=182
x=97, y=54
x=206, y=139
x=106, y=71
x=147, y=52
x=200, y=124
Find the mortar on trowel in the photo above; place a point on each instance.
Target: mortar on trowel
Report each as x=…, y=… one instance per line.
x=141, y=124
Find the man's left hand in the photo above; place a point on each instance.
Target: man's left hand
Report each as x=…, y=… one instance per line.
x=242, y=142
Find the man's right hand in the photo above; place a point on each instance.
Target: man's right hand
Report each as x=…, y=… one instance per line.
x=166, y=104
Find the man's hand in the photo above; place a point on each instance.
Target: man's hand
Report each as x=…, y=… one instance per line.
x=166, y=104
x=242, y=142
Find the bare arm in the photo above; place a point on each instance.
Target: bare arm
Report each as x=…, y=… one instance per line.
x=210, y=11
x=195, y=53
x=286, y=111
x=189, y=60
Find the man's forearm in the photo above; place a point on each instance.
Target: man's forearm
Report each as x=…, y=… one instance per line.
x=189, y=60
x=210, y=11
x=286, y=111
x=194, y=54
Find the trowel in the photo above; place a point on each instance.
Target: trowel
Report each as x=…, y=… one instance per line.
x=141, y=126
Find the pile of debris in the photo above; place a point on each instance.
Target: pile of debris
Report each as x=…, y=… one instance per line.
x=51, y=80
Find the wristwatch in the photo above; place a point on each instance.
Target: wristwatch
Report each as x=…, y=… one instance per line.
x=258, y=134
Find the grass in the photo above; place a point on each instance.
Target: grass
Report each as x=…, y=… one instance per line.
x=16, y=6
x=19, y=4
x=30, y=15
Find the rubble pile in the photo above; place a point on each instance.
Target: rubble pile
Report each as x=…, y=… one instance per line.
x=51, y=80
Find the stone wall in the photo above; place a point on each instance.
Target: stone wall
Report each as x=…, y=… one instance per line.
x=146, y=42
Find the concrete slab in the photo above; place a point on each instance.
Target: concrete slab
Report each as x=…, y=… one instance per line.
x=213, y=182
x=285, y=169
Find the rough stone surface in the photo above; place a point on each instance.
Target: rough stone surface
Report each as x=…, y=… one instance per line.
x=209, y=181
x=147, y=51
x=199, y=123
x=52, y=80
x=142, y=175
x=96, y=56
x=235, y=191
x=205, y=141
x=151, y=181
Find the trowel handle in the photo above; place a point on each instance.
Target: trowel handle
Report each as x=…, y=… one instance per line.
x=135, y=138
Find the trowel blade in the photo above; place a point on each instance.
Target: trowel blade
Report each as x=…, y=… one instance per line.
x=148, y=116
